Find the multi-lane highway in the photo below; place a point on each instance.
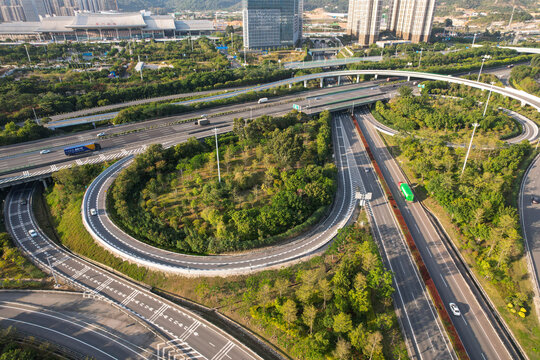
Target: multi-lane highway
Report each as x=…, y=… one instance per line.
x=25, y=159
x=189, y=335
x=477, y=329
x=78, y=324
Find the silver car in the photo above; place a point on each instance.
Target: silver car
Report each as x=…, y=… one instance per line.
x=455, y=309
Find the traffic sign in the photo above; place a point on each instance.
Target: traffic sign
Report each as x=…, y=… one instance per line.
x=297, y=107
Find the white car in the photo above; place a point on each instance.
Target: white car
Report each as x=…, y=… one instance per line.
x=101, y=134
x=93, y=212
x=455, y=309
x=32, y=233
x=44, y=151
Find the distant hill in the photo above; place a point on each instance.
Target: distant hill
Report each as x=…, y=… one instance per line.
x=198, y=5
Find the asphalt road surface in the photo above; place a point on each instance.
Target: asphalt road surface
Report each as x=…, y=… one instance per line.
x=476, y=328
x=114, y=239
x=120, y=141
x=189, y=335
x=87, y=327
x=418, y=318
x=530, y=223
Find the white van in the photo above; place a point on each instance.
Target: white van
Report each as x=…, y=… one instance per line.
x=263, y=100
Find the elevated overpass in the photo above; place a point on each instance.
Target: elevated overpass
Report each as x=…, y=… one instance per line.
x=525, y=98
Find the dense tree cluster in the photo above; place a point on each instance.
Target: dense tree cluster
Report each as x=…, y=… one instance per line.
x=276, y=175
x=408, y=113
x=67, y=91
x=16, y=346
x=344, y=312
x=13, y=133
x=526, y=77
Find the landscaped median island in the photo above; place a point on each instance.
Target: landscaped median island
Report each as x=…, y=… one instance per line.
x=277, y=179
x=478, y=208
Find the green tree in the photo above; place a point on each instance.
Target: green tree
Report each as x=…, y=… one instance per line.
x=281, y=285
x=343, y=349
x=342, y=323
x=308, y=316
x=288, y=310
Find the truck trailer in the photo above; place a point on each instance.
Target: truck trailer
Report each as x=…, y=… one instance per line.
x=82, y=148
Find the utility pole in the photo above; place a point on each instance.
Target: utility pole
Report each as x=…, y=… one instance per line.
x=27, y=54
x=53, y=273
x=482, y=66
x=217, y=156
x=35, y=116
x=487, y=102
x=512, y=16
x=475, y=125
x=473, y=39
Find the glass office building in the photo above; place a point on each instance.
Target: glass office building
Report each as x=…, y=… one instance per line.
x=272, y=23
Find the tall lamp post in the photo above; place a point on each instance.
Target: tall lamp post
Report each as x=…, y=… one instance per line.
x=475, y=125
x=482, y=66
x=217, y=156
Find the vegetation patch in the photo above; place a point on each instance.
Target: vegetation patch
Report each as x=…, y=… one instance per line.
x=14, y=345
x=447, y=118
x=276, y=174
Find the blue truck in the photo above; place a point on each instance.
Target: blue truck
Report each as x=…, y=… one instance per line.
x=81, y=149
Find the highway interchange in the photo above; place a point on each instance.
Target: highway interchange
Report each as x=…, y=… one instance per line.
x=425, y=336
x=190, y=336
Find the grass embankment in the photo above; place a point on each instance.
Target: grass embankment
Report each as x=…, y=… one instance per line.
x=526, y=330
x=17, y=272
x=14, y=345
x=270, y=303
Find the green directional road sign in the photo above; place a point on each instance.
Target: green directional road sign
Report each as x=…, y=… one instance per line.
x=297, y=107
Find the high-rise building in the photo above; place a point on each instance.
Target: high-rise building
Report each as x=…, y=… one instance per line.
x=364, y=20
x=409, y=19
x=32, y=10
x=412, y=19
x=272, y=23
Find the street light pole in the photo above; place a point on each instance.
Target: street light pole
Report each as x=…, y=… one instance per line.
x=420, y=60
x=217, y=156
x=474, y=39
x=481, y=67
x=475, y=125
x=487, y=102
x=53, y=273
x=27, y=54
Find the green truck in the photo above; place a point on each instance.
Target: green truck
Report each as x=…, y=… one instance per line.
x=406, y=191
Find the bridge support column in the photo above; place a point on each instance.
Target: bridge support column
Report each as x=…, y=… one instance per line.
x=376, y=76
x=94, y=124
x=44, y=182
x=322, y=82
x=408, y=78
x=523, y=103
x=305, y=83
x=339, y=80
x=357, y=79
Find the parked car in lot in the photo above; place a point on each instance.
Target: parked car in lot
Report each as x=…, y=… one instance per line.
x=32, y=233
x=455, y=309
